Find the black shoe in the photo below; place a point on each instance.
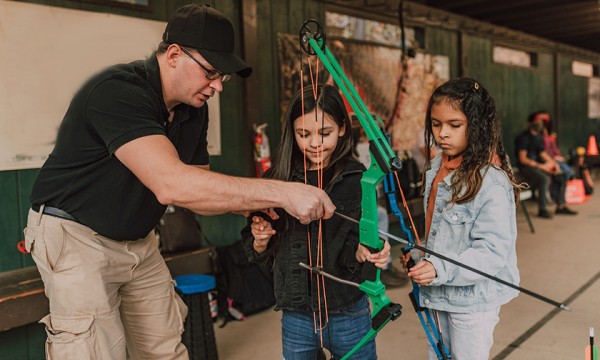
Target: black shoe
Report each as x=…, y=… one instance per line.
x=393, y=278
x=565, y=211
x=545, y=214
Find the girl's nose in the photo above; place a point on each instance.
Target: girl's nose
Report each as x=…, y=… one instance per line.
x=314, y=141
x=444, y=132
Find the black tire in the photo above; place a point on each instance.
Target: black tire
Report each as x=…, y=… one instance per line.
x=199, y=335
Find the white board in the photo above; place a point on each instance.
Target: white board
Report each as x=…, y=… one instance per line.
x=47, y=54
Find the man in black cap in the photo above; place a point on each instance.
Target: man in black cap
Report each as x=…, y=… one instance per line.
x=133, y=140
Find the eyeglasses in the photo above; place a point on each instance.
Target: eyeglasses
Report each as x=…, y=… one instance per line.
x=210, y=74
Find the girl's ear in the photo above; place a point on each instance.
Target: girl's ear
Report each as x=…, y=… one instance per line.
x=342, y=130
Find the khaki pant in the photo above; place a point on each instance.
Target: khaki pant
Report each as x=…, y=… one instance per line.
x=108, y=299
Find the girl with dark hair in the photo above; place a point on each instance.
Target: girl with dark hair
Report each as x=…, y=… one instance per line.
x=470, y=194
x=317, y=148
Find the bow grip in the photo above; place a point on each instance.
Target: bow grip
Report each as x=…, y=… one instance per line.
x=369, y=270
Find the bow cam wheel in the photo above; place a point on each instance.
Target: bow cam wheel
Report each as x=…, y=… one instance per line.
x=307, y=33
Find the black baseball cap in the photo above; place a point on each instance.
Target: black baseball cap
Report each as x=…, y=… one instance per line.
x=211, y=33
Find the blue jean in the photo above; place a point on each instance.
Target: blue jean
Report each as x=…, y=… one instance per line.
x=468, y=336
x=566, y=169
x=340, y=335
x=539, y=180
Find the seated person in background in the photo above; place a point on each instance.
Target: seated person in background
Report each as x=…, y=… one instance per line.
x=551, y=147
x=538, y=168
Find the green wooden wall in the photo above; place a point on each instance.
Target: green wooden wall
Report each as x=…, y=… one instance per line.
x=274, y=17
x=520, y=91
x=443, y=42
x=517, y=91
x=574, y=126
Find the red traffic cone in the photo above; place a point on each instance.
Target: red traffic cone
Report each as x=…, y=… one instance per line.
x=592, y=147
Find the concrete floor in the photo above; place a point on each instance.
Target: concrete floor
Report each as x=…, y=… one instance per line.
x=560, y=261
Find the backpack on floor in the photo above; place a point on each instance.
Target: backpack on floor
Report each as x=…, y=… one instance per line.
x=243, y=288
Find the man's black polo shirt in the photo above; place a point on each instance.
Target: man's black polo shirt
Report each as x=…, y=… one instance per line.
x=84, y=178
x=533, y=144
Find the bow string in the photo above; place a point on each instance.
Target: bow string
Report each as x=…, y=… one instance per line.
x=425, y=315
x=383, y=161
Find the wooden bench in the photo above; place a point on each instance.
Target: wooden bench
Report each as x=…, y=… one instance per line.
x=22, y=298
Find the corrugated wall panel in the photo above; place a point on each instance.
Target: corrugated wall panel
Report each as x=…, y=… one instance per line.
x=518, y=91
x=574, y=126
x=443, y=42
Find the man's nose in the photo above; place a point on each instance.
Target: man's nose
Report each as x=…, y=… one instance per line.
x=217, y=84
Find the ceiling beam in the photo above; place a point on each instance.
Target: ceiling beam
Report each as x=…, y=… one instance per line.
x=417, y=14
x=548, y=13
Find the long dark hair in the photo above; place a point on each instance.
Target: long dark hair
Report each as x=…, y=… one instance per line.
x=484, y=136
x=288, y=157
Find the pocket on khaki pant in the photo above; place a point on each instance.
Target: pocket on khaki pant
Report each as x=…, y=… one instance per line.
x=181, y=308
x=70, y=337
x=29, y=235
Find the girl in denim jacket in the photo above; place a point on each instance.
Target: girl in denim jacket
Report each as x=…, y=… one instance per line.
x=316, y=148
x=470, y=194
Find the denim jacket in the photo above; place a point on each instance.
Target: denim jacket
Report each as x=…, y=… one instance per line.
x=295, y=290
x=481, y=233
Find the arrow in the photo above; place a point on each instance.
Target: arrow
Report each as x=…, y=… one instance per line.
x=384, y=234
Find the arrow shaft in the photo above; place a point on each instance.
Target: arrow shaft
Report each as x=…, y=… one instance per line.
x=328, y=275
x=457, y=263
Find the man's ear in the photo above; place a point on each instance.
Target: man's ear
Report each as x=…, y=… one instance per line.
x=173, y=54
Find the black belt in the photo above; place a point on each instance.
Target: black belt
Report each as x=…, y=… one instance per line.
x=52, y=211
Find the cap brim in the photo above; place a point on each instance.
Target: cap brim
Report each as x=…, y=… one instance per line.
x=226, y=62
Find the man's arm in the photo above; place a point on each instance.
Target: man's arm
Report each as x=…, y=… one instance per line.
x=524, y=160
x=154, y=160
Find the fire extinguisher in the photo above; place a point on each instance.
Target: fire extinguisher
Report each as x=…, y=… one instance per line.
x=262, y=154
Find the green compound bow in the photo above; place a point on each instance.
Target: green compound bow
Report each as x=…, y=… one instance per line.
x=383, y=161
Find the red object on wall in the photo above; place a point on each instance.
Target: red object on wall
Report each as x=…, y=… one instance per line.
x=592, y=148
x=262, y=153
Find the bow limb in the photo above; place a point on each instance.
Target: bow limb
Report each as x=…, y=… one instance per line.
x=383, y=309
x=424, y=314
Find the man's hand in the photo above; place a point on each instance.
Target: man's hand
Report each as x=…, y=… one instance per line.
x=550, y=167
x=307, y=203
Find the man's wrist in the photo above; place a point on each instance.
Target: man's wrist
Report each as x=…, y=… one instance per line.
x=260, y=245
